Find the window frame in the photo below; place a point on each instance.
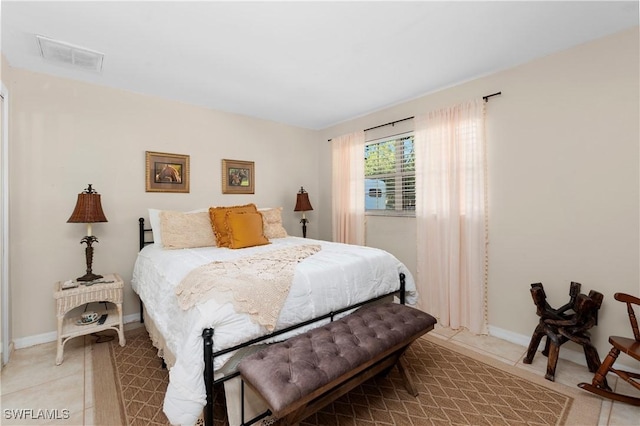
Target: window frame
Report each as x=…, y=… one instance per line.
x=398, y=175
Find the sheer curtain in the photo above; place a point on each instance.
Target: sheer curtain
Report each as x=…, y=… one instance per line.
x=347, y=188
x=451, y=215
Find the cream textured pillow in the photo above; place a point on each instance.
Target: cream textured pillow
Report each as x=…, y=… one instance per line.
x=186, y=230
x=272, y=223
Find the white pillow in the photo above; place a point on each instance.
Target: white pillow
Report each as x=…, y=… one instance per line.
x=154, y=221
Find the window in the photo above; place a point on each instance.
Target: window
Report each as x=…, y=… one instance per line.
x=389, y=176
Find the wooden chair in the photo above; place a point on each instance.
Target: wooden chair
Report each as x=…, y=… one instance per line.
x=546, y=312
x=619, y=344
x=570, y=322
x=575, y=329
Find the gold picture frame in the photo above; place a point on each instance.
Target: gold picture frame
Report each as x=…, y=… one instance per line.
x=238, y=177
x=166, y=172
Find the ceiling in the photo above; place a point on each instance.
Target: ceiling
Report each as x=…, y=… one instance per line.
x=307, y=64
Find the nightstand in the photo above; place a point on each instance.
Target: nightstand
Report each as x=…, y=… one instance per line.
x=107, y=289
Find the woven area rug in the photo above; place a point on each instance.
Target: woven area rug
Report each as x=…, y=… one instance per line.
x=456, y=387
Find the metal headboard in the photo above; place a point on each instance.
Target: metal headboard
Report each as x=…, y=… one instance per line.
x=143, y=233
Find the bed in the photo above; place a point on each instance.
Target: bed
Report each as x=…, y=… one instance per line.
x=201, y=340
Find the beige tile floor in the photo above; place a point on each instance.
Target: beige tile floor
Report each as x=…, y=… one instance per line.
x=31, y=380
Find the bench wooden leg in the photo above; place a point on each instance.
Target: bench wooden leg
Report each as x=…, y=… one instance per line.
x=406, y=378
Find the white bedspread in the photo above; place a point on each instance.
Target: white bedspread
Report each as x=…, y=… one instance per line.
x=336, y=277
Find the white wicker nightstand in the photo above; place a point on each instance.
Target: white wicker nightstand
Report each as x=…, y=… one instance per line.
x=71, y=298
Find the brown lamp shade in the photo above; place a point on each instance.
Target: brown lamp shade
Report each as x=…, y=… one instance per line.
x=88, y=208
x=302, y=201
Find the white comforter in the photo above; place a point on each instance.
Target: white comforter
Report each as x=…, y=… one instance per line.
x=336, y=277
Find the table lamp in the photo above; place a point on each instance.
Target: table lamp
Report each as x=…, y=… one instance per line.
x=303, y=205
x=88, y=210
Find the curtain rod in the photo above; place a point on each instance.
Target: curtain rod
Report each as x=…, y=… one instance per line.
x=382, y=125
x=391, y=123
x=388, y=124
x=486, y=98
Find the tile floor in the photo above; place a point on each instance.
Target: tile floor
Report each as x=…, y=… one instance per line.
x=31, y=380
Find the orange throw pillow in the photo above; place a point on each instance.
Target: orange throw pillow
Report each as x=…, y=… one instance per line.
x=219, y=221
x=245, y=230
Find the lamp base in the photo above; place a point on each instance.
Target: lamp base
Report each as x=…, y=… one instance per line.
x=89, y=277
x=88, y=252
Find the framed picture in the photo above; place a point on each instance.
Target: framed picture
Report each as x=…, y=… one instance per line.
x=167, y=172
x=238, y=177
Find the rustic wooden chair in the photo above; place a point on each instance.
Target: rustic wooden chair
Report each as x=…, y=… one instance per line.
x=546, y=312
x=575, y=329
x=570, y=322
x=619, y=344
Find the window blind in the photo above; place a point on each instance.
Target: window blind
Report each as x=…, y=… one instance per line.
x=390, y=175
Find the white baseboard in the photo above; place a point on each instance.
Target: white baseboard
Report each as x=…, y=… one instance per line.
x=52, y=336
x=131, y=318
x=509, y=336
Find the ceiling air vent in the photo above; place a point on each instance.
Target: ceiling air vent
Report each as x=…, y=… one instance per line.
x=65, y=53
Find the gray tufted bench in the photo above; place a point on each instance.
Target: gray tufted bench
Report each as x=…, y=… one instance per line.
x=304, y=373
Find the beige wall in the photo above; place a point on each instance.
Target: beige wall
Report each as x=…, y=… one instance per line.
x=66, y=134
x=563, y=153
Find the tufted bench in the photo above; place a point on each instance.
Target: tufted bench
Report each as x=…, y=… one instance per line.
x=304, y=373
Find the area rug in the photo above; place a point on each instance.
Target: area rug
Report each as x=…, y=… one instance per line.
x=456, y=387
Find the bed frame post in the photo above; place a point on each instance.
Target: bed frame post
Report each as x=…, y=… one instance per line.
x=207, y=336
x=141, y=241
x=402, y=287
x=141, y=232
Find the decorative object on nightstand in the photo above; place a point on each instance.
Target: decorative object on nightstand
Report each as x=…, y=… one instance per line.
x=106, y=291
x=88, y=210
x=303, y=205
